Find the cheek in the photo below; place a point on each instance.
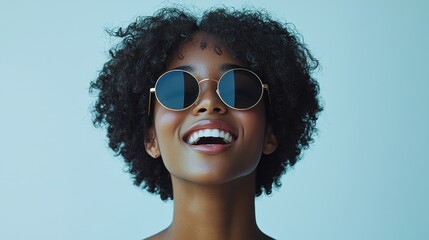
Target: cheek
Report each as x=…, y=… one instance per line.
x=165, y=119
x=166, y=125
x=253, y=123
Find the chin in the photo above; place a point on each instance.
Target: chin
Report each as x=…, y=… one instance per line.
x=217, y=177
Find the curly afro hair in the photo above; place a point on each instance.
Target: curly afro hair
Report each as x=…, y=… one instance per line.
x=273, y=50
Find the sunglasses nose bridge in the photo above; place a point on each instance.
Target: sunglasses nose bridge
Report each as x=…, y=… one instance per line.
x=205, y=87
x=208, y=99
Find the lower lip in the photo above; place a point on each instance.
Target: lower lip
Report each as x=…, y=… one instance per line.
x=210, y=148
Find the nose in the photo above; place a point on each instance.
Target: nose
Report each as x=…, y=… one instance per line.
x=209, y=102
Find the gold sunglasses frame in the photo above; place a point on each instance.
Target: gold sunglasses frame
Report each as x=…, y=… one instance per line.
x=153, y=90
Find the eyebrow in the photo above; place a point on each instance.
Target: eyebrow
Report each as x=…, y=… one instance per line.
x=185, y=68
x=223, y=67
x=228, y=66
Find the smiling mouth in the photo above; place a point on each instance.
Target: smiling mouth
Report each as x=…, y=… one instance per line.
x=210, y=137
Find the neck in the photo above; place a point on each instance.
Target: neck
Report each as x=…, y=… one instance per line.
x=224, y=211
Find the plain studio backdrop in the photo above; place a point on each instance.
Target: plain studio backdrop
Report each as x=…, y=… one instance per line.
x=365, y=177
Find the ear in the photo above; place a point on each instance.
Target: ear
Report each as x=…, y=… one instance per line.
x=270, y=141
x=151, y=143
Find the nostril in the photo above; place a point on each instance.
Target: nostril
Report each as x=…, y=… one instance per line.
x=216, y=109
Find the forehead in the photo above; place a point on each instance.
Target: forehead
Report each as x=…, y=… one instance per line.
x=203, y=53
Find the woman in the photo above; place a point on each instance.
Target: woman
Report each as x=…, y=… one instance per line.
x=209, y=112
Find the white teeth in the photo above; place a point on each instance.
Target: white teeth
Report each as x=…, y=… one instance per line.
x=217, y=133
x=227, y=135
x=193, y=138
x=207, y=133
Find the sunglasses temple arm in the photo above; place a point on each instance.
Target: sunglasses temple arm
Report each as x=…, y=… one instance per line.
x=152, y=90
x=269, y=98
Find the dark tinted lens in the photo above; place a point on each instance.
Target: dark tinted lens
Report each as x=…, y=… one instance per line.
x=240, y=89
x=177, y=90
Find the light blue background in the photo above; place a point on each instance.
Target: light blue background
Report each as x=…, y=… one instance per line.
x=366, y=176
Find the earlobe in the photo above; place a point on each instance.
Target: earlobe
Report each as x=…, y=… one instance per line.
x=270, y=141
x=151, y=143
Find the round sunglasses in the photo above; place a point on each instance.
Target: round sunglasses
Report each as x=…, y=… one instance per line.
x=238, y=88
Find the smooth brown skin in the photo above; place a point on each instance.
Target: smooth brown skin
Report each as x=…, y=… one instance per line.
x=213, y=194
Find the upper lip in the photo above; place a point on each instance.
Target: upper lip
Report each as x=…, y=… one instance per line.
x=210, y=124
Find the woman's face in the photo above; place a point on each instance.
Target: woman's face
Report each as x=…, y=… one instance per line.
x=213, y=161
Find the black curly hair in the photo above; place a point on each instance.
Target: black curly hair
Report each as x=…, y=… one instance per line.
x=275, y=51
